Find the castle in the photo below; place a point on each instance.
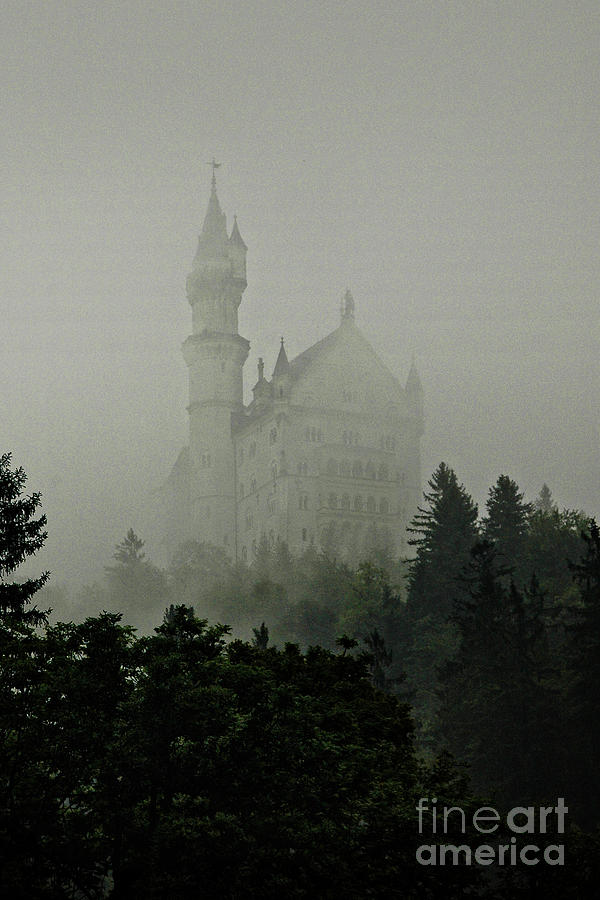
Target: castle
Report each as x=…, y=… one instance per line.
x=326, y=454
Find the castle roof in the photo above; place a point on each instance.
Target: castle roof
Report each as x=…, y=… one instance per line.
x=282, y=366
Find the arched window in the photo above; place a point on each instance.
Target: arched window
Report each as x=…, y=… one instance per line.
x=371, y=504
x=346, y=502
x=383, y=506
x=332, y=467
x=304, y=534
x=254, y=548
x=273, y=470
x=272, y=435
x=358, y=503
x=383, y=472
x=333, y=501
x=244, y=554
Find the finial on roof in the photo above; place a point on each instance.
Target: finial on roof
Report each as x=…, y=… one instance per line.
x=348, y=306
x=215, y=165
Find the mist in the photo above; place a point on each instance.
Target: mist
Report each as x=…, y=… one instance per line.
x=440, y=161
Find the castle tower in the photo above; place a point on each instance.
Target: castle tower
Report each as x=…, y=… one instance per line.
x=215, y=355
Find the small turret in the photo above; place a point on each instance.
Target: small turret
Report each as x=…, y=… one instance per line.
x=237, y=252
x=347, y=307
x=414, y=393
x=282, y=366
x=281, y=374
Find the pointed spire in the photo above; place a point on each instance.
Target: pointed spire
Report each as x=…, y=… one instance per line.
x=236, y=238
x=214, y=220
x=348, y=306
x=282, y=366
x=413, y=382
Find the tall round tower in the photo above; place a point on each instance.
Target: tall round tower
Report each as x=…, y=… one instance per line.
x=215, y=354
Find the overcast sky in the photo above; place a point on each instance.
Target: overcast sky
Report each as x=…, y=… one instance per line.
x=439, y=158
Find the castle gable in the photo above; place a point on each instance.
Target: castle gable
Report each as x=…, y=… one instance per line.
x=342, y=368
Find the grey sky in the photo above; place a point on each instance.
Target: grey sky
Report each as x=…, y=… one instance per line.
x=440, y=159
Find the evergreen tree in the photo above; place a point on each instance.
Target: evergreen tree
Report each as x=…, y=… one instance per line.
x=136, y=587
x=21, y=535
x=497, y=710
x=583, y=655
x=445, y=531
x=506, y=524
x=544, y=502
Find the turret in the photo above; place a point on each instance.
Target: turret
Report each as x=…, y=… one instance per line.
x=347, y=307
x=215, y=354
x=281, y=375
x=414, y=393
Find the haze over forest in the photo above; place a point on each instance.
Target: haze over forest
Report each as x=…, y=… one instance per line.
x=439, y=160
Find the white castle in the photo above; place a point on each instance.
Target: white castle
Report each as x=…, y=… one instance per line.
x=328, y=451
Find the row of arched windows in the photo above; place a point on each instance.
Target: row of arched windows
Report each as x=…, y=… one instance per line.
x=358, y=504
x=345, y=468
x=314, y=435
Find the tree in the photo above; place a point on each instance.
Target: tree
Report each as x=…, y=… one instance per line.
x=497, y=709
x=445, y=531
x=583, y=656
x=21, y=535
x=136, y=587
x=506, y=524
x=544, y=502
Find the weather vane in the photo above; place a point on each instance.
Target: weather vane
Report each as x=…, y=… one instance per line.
x=215, y=165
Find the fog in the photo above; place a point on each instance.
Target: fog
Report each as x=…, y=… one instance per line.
x=441, y=160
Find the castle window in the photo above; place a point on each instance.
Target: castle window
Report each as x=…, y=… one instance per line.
x=303, y=501
x=333, y=501
x=244, y=554
x=271, y=503
x=358, y=503
x=254, y=547
x=304, y=534
x=273, y=470
x=383, y=506
x=383, y=472
x=345, y=502
x=332, y=467
x=272, y=435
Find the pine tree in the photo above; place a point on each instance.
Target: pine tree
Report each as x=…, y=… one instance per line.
x=445, y=531
x=21, y=535
x=506, y=524
x=497, y=712
x=583, y=655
